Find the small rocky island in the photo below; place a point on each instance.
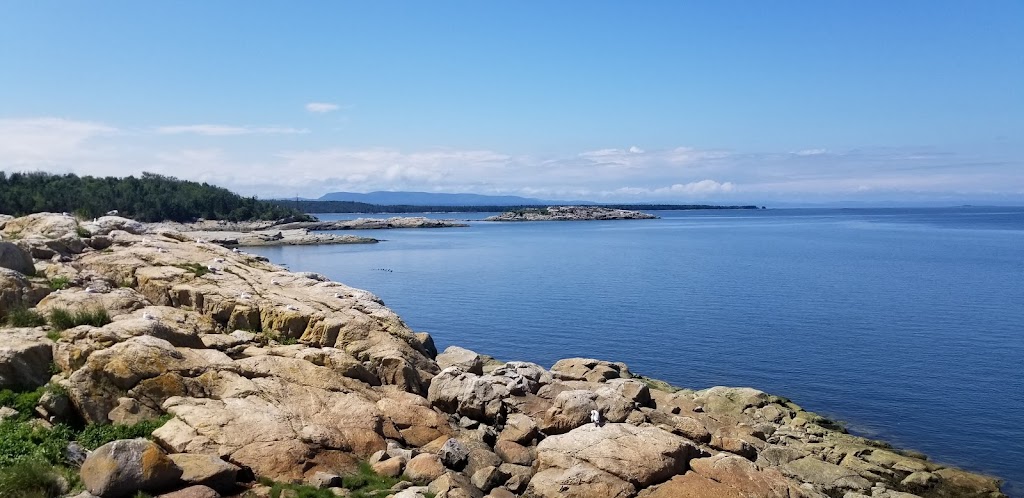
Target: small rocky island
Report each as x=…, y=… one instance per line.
x=253, y=380
x=570, y=213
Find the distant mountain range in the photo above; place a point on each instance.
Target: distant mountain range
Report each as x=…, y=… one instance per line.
x=434, y=199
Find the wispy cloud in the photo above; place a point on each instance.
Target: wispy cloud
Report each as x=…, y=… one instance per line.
x=244, y=159
x=217, y=130
x=43, y=141
x=322, y=107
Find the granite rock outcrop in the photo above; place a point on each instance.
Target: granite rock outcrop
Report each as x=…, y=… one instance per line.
x=267, y=373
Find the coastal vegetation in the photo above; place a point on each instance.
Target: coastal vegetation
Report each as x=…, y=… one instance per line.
x=150, y=197
x=62, y=319
x=34, y=457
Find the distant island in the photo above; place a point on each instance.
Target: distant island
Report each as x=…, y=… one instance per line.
x=570, y=213
x=325, y=207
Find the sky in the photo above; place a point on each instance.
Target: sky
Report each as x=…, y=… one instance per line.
x=678, y=101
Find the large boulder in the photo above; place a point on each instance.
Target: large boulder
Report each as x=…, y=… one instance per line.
x=474, y=396
x=299, y=425
x=106, y=224
x=145, y=368
x=728, y=476
x=25, y=359
x=16, y=291
x=524, y=377
x=45, y=225
x=416, y=422
x=424, y=468
x=464, y=359
x=124, y=467
x=206, y=470
x=641, y=456
x=15, y=258
x=578, y=481
x=827, y=477
x=589, y=369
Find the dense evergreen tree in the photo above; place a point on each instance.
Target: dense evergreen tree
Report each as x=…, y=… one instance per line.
x=151, y=197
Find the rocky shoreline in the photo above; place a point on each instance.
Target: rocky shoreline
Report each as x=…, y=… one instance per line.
x=571, y=213
x=269, y=374
x=266, y=233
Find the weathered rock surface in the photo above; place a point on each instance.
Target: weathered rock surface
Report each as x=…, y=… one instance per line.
x=122, y=468
x=25, y=358
x=285, y=375
x=640, y=456
x=206, y=470
x=462, y=358
x=15, y=258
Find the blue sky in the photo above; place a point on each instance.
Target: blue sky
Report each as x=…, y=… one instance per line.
x=917, y=101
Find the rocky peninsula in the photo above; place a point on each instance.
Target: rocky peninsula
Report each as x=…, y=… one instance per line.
x=266, y=233
x=570, y=213
x=260, y=374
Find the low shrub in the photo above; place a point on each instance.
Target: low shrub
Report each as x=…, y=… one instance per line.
x=95, y=435
x=196, y=268
x=22, y=441
x=24, y=317
x=62, y=319
x=23, y=401
x=365, y=483
x=59, y=282
x=33, y=479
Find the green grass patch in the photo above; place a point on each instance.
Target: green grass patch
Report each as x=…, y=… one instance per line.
x=59, y=282
x=24, y=317
x=266, y=337
x=62, y=319
x=35, y=479
x=95, y=435
x=22, y=441
x=24, y=401
x=32, y=457
x=196, y=268
x=365, y=483
x=82, y=232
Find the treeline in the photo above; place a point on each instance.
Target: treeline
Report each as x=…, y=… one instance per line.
x=151, y=197
x=307, y=206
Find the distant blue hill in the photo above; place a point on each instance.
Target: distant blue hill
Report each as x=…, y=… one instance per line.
x=433, y=199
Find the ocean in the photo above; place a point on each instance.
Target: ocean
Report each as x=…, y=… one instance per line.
x=906, y=324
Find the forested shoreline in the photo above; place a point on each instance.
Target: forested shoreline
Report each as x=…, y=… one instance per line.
x=150, y=198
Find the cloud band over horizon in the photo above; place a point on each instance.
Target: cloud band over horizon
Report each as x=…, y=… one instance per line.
x=278, y=165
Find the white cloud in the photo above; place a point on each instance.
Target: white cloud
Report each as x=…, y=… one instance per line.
x=45, y=142
x=216, y=130
x=702, y=188
x=810, y=152
x=25, y=140
x=322, y=107
x=244, y=159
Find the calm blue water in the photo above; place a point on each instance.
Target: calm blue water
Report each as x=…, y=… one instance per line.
x=906, y=323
